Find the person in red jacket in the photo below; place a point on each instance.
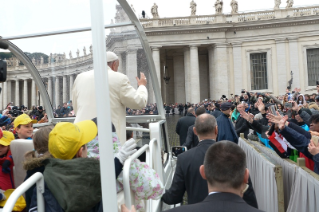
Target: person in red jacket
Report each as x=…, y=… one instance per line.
x=6, y=161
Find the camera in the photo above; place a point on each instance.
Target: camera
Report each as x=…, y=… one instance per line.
x=15, y=112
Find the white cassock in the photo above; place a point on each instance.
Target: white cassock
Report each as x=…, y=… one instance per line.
x=122, y=95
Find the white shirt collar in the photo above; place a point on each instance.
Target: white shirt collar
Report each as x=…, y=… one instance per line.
x=213, y=193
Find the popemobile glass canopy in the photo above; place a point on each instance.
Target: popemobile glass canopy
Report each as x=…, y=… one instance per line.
x=56, y=43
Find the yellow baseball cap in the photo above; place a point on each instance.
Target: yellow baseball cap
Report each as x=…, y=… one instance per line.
x=66, y=138
x=6, y=138
x=21, y=120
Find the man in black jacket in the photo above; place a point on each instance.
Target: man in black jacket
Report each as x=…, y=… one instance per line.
x=187, y=176
x=225, y=187
x=184, y=123
x=242, y=126
x=192, y=139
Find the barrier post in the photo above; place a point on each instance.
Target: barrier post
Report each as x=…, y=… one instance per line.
x=242, y=135
x=280, y=188
x=301, y=162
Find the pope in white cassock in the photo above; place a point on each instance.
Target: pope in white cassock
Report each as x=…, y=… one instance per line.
x=122, y=95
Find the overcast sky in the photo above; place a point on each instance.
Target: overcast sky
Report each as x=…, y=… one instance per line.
x=24, y=17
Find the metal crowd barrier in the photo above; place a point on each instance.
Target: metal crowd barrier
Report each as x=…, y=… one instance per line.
x=266, y=178
x=36, y=178
x=300, y=185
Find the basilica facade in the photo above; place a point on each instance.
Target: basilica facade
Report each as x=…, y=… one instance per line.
x=196, y=57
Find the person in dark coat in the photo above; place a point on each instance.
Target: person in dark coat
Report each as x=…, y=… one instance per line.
x=242, y=125
x=226, y=188
x=192, y=139
x=184, y=123
x=226, y=129
x=187, y=177
x=40, y=113
x=217, y=111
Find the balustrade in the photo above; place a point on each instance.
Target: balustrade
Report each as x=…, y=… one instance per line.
x=227, y=18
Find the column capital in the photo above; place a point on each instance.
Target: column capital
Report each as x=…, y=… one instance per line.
x=220, y=45
x=194, y=45
x=156, y=48
x=292, y=39
x=237, y=44
x=280, y=40
x=131, y=50
x=119, y=50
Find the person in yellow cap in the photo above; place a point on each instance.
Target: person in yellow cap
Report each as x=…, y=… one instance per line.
x=6, y=162
x=23, y=127
x=72, y=181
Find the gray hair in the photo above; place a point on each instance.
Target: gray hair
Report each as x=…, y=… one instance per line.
x=190, y=110
x=205, y=124
x=111, y=62
x=225, y=163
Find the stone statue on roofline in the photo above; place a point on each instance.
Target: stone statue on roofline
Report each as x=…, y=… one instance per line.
x=84, y=51
x=234, y=6
x=219, y=6
x=41, y=60
x=70, y=55
x=154, y=11
x=193, y=6
x=290, y=3
x=78, y=53
x=91, y=49
x=277, y=4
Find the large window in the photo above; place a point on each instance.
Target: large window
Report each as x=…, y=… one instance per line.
x=258, y=68
x=313, y=66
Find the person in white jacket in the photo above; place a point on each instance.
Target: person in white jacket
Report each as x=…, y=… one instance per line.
x=122, y=95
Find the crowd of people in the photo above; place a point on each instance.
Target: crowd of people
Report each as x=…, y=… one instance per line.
x=213, y=171
x=285, y=123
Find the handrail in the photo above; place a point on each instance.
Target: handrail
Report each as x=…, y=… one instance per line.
x=157, y=154
x=137, y=129
x=126, y=172
x=35, y=178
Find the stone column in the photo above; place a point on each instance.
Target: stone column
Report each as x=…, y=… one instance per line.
x=238, y=67
x=57, y=91
x=65, y=93
x=211, y=71
x=157, y=62
x=5, y=95
x=187, y=74
x=281, y=66
x=294, y=61
x=71, y=84
x=120, y=68
x=194, y=74
x=25, y=93
x=9, y=91
x=131, y=66
x=17, y=94
x=179, y=80
x=33, y=94
x=220, y=80
x=50, y=89
x=41, y=100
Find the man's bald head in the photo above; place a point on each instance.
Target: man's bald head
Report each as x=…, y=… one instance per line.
x=191, y=110
x=205, y=125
